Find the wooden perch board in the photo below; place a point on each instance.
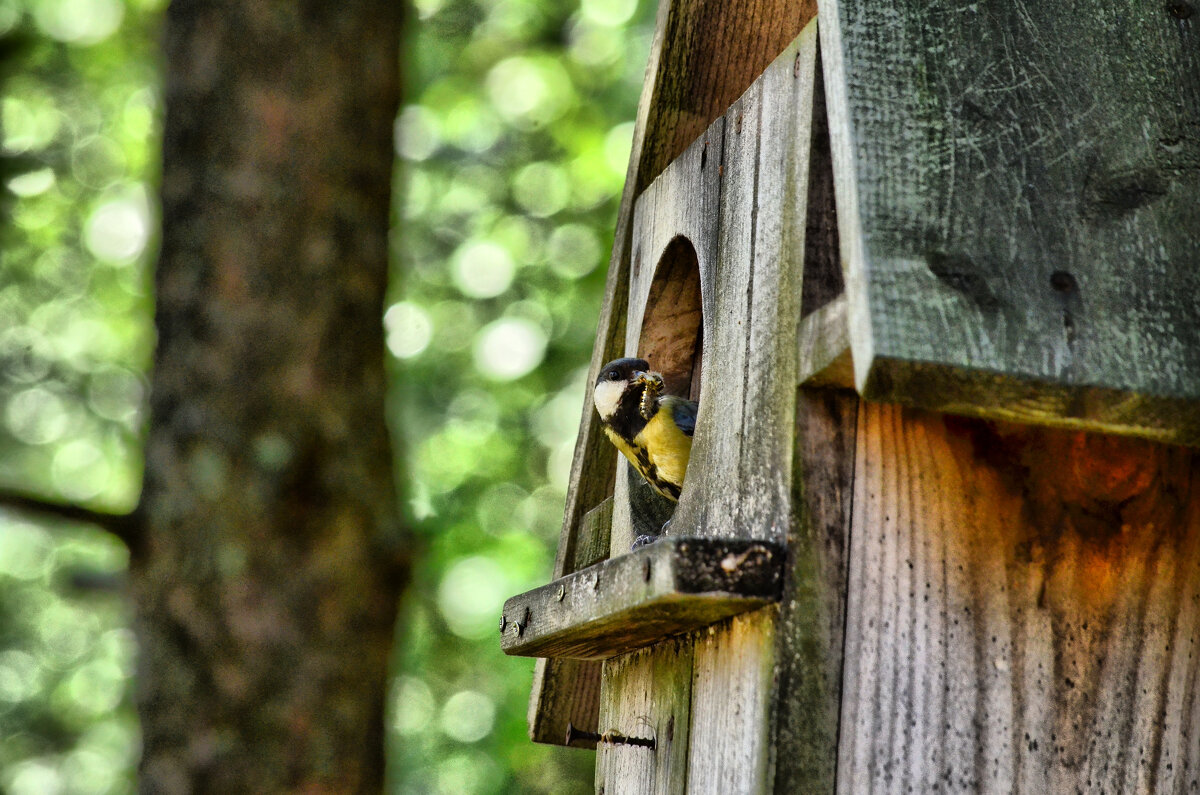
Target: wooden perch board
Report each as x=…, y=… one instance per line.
x=667, y=588
x=1017, y=203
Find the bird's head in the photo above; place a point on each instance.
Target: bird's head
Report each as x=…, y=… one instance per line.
x=618, y=377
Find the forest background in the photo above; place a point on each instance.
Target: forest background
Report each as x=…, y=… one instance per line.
x=512, y=145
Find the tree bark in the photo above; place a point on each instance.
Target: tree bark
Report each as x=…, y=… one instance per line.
x=269, y=558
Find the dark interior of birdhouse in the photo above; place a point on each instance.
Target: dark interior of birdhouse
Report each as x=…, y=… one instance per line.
x=822, y=262
x=672, y=331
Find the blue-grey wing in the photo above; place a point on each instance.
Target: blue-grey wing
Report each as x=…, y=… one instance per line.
x=684, y=414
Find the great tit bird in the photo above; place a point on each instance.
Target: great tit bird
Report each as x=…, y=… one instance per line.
x=653, y=430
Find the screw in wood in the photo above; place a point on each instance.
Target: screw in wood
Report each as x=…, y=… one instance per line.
x=503, y=623
x=519, y=626
x=609, y=737
x=574, y=734
x=562, y=591
x=620, y=739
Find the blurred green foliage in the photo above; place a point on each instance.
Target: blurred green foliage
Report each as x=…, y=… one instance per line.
x=513, y=148
x=514, y=145
x=78, y=153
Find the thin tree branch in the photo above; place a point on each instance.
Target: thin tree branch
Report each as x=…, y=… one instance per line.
x=122, y=525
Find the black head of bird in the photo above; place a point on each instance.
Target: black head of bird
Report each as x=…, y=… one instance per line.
x=653, y=430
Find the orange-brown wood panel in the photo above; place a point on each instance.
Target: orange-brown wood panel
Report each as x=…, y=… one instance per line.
x=1023, y=610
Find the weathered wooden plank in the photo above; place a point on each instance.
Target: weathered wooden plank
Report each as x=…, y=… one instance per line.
x=1023, y=610
x=568, y=691
x=1016, y=189
x=565, y=691
x=729, y=741
x=681, y=203
x=715, y=51
x=823, y=280
x=745, y=436
x=670, y=587
x=703, y=55
x=647, y=695
x=593, y=542
x=825, y=358
x=809, y=640
x=748, y=172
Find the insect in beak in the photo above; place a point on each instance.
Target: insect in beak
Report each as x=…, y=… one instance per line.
x=653, y=384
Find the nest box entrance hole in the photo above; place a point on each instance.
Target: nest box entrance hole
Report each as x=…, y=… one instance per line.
x=672, y=336
x=671, y=340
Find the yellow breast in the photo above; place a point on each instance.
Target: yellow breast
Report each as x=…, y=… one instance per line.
x=660, y=453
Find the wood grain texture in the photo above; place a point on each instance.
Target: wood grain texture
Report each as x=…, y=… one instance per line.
x=823, y=280
x=1016, y=189
x=1023, y=611
x=704, y=54
x=739, y=195
x=591, y=547
x=567, y=691
x=667, y=588
x=682, y=203
x=714, y=51
x=729, y=739
x=647, y=694
x=824, y=342
x=809, y=640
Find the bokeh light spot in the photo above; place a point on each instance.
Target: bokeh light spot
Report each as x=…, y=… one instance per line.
x=96, y=687
x=88, y=772
x=427, y=8
x=509, y=348
x=468, y=716
x=116, y=394
x=20, y=676
x=529, y=92
x=36, y=416
x=482, y=269
x=80, y=470
x=35, y=777
x=417, y=135
x=470, y=596
x=78, y=21
x=409, y=329
x=29, y=119
x=573, y=251
x=32, y=183
x=412, y=705
x=541, y=189
x=24, y=549
x=499, y=508
x=117, y=230
x=617, y=146
x=608, y=12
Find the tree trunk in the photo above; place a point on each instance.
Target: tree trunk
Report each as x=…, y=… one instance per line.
x=269, y=560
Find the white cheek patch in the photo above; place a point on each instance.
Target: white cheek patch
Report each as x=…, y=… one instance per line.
x=607, y=397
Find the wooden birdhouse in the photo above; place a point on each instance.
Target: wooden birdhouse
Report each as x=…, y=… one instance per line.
x=932, y=270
